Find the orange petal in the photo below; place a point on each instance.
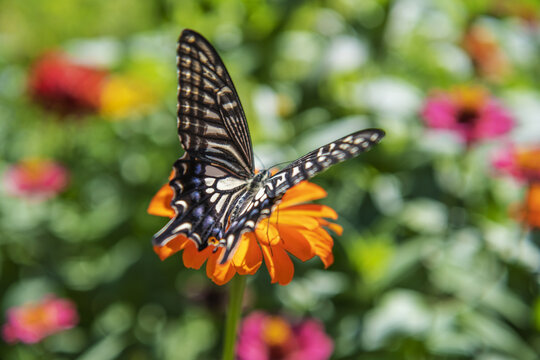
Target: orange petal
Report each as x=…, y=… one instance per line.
x=295, y=243
x=160, y=204
x=338, y=229
x=321, y=243
x=193, y=258
x=307, y=210
x=219, y=273
x=173, y=246
x=248, y=257
x=531, y=211
x=267, y=233
x=278, y=263
x=306, y=222
x=301, y=193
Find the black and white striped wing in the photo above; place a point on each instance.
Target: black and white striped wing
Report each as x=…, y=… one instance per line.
x=316, y=161
x=218, y=159
x=211, y=122
x=321, y=159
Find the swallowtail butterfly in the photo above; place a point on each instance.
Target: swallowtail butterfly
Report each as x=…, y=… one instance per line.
x=217, y=194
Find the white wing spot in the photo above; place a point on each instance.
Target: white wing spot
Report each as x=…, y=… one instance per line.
x=183, y=226
x=259, y=194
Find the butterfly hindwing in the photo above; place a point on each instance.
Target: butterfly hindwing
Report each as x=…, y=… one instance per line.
x=204, y=196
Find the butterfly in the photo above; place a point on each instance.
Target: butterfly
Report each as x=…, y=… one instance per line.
x=218, y=196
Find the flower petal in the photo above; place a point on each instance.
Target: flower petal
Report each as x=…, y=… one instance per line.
x=278, y=263
x=321, y=243
x=161, y=202
x=193, y=258
x=248, y=256
x=173, y=246
x=219, y=273
x=296, y=243
x=312, y=210
x=338, y=229
x=302, y=192
x=267, y=233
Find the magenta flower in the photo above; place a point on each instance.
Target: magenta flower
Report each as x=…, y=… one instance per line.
x=523, y=163
x=468, y=111
x=35, y=178
x=267, y=337
x=30, y=323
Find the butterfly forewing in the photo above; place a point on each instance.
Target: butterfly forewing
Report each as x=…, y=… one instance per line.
x=217, y=196
x=211, y=121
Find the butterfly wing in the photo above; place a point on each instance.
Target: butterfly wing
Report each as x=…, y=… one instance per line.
x=211, y=121
x=204, y=195
x=321, y=159
x=264, y=201
x=218, y=159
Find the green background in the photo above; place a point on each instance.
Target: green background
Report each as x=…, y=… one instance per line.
x=430, y=265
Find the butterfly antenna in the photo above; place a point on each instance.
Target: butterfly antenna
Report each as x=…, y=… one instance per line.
x=260, y=161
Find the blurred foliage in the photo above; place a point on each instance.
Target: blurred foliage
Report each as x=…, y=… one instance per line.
x=430, y=266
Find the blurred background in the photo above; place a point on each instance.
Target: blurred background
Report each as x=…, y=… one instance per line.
x=440, y=253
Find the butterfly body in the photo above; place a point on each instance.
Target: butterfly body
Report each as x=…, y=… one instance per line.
x=217, y=194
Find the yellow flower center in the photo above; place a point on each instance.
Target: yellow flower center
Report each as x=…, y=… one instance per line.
x=33, y=170
x=276, y=331
x=470, y=99
x=35, y=316
x=529, y=159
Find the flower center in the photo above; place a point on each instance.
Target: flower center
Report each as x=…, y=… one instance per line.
x=37, y=316
x=276, y=331
x=467, y=116
x=529, y=160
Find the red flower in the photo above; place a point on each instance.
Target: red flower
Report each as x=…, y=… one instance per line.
x=29, y=323
x=468, y=111
x=58, y=84
x=267, y=337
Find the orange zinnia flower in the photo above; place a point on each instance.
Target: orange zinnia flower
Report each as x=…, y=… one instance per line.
x=531, y=211
x=294, y=227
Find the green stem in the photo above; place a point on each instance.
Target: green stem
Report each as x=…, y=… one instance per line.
x=234, y=312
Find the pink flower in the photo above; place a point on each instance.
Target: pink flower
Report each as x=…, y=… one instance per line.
x=523, y=163
x=30, y=323
x=59, y=84
x=468, y=111
x=267, y=337
x=35, y=178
